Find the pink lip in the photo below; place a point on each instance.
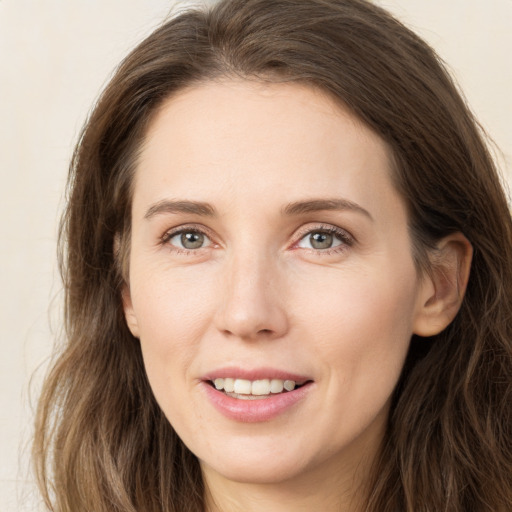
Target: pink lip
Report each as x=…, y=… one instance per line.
x=254, y=411
x=254, y=374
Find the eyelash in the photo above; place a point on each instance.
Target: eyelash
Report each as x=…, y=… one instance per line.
x=166, y=238
x=343, y=236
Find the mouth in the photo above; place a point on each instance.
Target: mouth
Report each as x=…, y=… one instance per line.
x=255, y=395
x=244, y=389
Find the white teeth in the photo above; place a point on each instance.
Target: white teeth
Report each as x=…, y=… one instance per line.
x=260, y=387
x=229, y=385
x=242, y=387
x=276, y=386
x=289, y=385
x=263, y=387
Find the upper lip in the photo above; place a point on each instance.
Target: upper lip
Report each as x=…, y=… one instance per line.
x=254, y=374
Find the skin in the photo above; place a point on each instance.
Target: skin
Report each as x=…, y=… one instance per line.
x=257, y=293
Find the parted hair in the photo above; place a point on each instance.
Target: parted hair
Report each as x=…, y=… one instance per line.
x=102, y=443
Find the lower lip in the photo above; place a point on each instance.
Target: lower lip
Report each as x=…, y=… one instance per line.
x=254, y=411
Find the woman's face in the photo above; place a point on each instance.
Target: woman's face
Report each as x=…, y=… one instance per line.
x=269, y=245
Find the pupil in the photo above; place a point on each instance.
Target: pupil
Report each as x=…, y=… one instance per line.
x=321, y=240
x=192, y=240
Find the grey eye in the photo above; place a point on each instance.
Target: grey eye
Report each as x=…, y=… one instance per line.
x=190, y=240
x=320, y=240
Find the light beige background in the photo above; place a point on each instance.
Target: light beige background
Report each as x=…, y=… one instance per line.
x=54, y=58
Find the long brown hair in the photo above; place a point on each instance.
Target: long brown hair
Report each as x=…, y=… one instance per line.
x=103, y=444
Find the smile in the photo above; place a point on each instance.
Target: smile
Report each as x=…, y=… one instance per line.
x=243, y=404
x=253, y=390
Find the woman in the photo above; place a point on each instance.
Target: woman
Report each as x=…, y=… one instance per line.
x=287, y=267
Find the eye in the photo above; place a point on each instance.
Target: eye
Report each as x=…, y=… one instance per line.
x=324, y=239
x=188, y=239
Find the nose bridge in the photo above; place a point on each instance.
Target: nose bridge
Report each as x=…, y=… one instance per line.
x=251, y=303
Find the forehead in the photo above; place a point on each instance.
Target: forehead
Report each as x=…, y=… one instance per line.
x=243, y=140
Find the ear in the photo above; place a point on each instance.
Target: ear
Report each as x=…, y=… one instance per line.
x=443, y=288
x=129, y=313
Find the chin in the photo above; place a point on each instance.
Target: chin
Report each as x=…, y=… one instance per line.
x=257, y=460
x=251, y=472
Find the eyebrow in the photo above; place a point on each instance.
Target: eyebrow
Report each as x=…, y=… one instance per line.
x=170, y=206
x=295, y=208
x=316, y=205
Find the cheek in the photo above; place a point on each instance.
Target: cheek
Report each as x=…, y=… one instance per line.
x=173, y=312
x=173, y=315
x=171, y=306
x=361, y=336
x=362, y=325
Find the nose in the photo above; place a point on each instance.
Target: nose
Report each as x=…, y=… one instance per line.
x=251, y=305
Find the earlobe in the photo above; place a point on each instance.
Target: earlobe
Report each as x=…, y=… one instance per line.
x=444, y=287
x=129, y=313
